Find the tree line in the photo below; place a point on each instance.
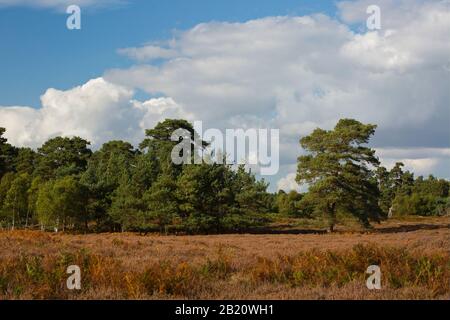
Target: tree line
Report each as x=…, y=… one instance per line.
x=64, y=185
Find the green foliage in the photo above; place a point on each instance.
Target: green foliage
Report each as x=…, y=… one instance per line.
x=251, y=194
x=427, y=197
x=59, y=157
x=158, y=142
x=107, y=165
x=5, y=184
x=162, y=202
x=392, y=183
x=289, y=203
x=61, y=203
x=206, y=195
x=106, y=169
x=127, y=208
x=338, y=170
x=25, y=160
x=32, y=197
x=16, y=200
x=45, y=208
x=215, y=198
x=7, y=154
x=119, y=188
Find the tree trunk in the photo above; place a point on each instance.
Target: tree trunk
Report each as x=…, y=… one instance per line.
x=332, y=217
x=14, y=213
x=26, y=219
x=391, y=211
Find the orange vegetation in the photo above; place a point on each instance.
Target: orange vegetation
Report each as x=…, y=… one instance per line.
x=414, y=258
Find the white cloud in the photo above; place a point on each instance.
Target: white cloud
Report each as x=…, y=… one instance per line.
x=299, y=73
x=397, y=153
x=97, y=111
x=375, y=51
x=148, y=53
x=292, y=73
x=421, y=166
x=288, y=183
x=158, y=109
x=421, y=161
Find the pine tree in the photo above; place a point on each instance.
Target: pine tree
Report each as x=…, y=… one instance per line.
x=338, y=171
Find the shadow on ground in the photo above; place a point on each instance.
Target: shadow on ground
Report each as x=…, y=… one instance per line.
x=285, y=231
x=410, y=228
x=383, y=230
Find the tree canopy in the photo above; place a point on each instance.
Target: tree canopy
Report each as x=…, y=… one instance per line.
x=339, y=172
x=64, y=185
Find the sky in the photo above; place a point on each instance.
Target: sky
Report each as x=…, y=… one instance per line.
x=289, y=65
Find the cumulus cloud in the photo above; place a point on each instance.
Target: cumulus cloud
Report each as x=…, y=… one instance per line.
x=288, y=183
x=299, y=73
x=291, y=73
x=421, y=161
x=148, y=53
x=97, y=111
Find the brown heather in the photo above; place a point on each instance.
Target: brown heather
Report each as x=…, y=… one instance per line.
x=414, y=257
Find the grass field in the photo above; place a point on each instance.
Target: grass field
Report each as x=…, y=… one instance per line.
x=293, y=262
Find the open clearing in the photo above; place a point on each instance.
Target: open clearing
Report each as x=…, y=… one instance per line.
x=414, y=256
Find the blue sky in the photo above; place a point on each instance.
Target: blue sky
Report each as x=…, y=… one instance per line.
x=39, y=52
x=231, y=64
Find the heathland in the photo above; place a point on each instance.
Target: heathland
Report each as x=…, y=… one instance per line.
x=66, y=186
x=140, y=226
x=293, y=262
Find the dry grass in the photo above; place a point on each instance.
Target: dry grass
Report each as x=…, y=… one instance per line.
x=414, y=257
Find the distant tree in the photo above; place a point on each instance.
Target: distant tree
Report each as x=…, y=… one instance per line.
x=443, y=207
x=162, y=202
x=387, y=191
x=7, y=154
x=404, y=181
x=32, y=194
x=215, y=198
x=61, y=203
x=423, y=197
x=25, y=160
x=159, y=144
x=145, y=170
x=206, y=196
x=106, y=165
x=105, y=170
x=46, y=211
x=16, y=200
x=59, y=157
x=127, y=208
x=338, y=170
x=65, y=186
x=289, y=203
x=250, y=194
x=3, y=140
x=432, y=186
x=5, y=185
x=391, y=183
